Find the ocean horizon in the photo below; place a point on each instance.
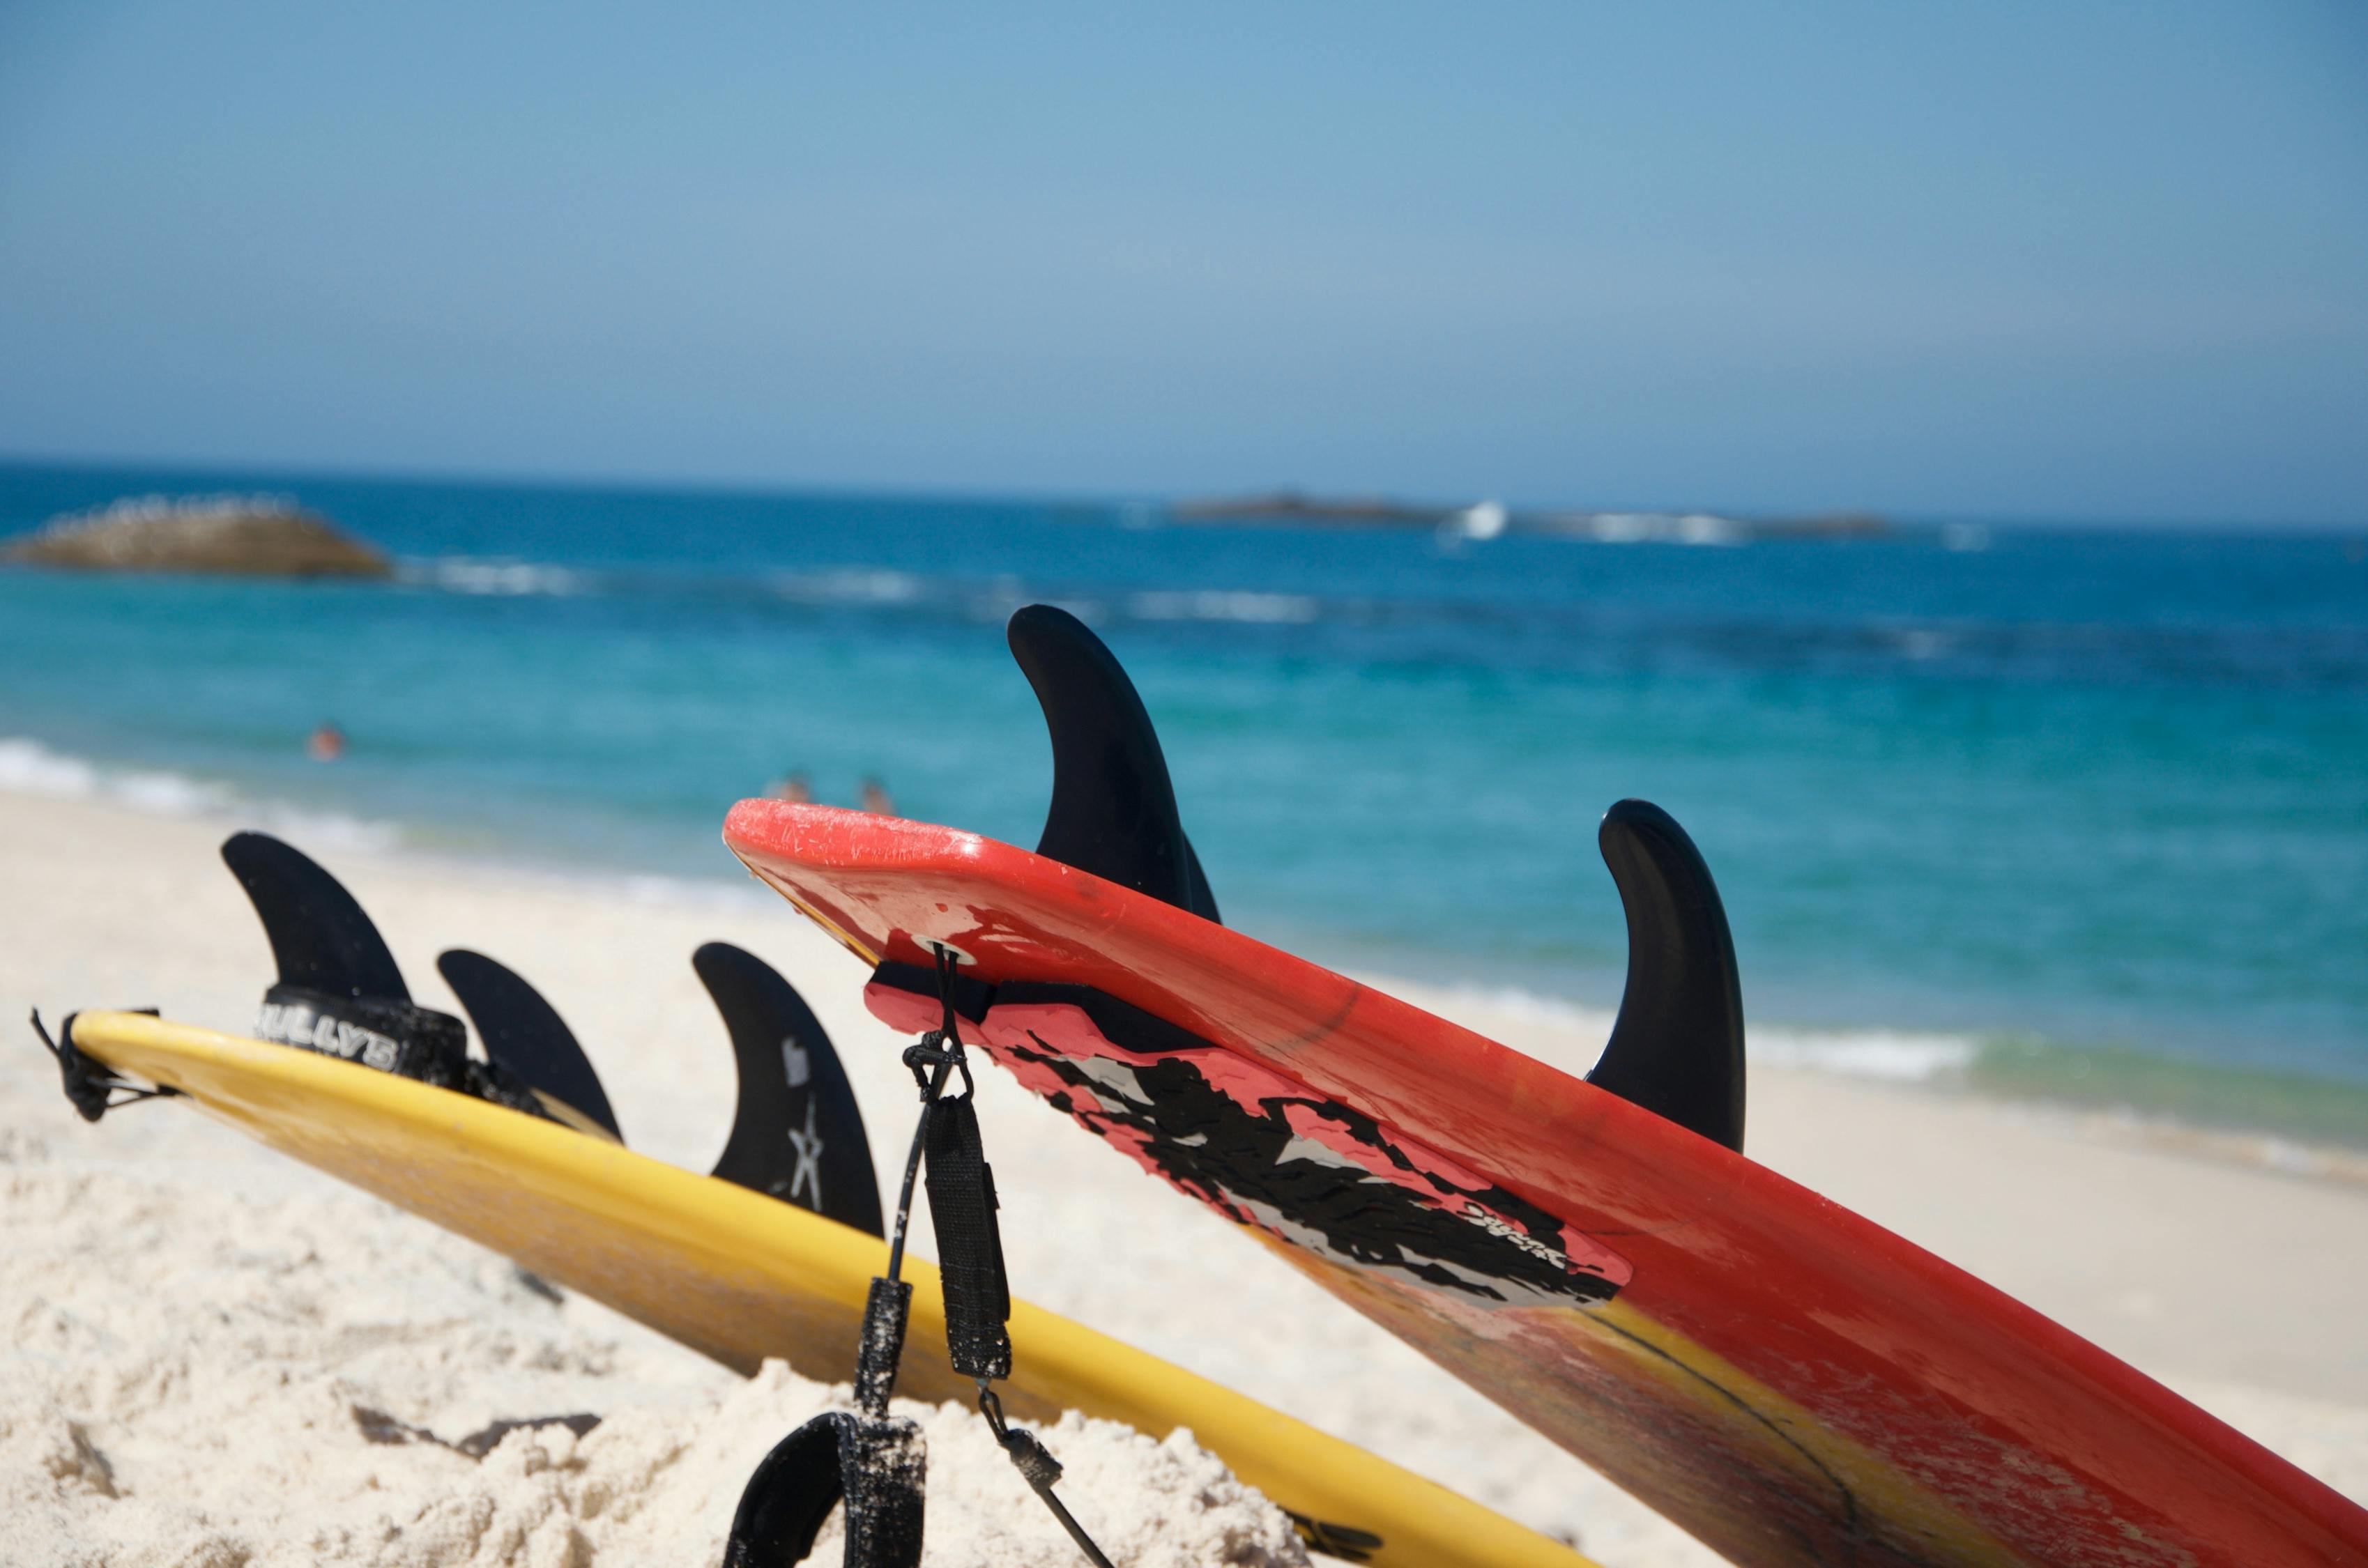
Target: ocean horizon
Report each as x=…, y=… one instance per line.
x=2075, y=811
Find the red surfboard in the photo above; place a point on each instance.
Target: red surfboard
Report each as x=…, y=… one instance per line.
x=1786, y=1379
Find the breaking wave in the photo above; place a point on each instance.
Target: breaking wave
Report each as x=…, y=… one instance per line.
x=1899, y=1056
x=855, y=586
x=498, y=575
x=1264, y=609
x=2285, y=1119
x=1505, y=628
x=28, y=768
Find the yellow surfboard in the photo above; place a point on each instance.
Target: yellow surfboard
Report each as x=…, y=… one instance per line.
x=741, y=1277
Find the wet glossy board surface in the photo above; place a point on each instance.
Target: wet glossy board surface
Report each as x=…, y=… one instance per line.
x=741, y=1276
x=1785, y=1378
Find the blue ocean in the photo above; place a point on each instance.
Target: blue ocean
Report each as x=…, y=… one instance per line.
x=2087, y=806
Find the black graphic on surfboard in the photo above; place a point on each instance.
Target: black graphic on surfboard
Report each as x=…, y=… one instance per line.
x=1267, y=1151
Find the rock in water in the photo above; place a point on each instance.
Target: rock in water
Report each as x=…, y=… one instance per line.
x=252, y=535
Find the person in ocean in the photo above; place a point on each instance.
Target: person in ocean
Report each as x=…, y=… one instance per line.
x=327, y=744
x=875, y=799
x=793, y=789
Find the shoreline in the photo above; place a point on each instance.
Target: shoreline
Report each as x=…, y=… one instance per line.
x=2101, y=1232
x=2269, y=1117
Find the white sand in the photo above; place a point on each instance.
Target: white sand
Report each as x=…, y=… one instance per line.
x=193, y=1321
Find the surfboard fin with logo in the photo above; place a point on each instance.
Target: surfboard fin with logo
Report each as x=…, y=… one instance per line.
x=1677, y=1049
x=320, y=938
x=1113, y=811
x=524, y=1033
x=796, y=1134
x=340, y=992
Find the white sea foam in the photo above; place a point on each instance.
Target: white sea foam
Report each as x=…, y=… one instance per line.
x=500, y=575
x=1899, y=1056
x=688, y=893
x=885, y=587
x=853, y=586
x=1266, y=610
x=28, y=768
x=1510, y=1002
x=1652, y=527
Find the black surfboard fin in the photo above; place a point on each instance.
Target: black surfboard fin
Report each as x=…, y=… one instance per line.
x=796, y=1134
x=526, y=1034
x=1677, y=1049
x=1113, y=810
x=320, y=938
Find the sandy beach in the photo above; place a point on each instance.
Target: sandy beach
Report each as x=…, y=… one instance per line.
x=203, y=1333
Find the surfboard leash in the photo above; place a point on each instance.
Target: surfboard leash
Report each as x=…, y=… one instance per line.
x=90, y=1084
x=873, y=1460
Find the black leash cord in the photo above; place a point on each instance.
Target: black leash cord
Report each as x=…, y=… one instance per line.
x=874, y=1462
x=930, y=1090
x=966, y=1251
x=940, y=1058
x=1040, y=1469
x=90, y=1084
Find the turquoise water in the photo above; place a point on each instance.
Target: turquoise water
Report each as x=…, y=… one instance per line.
x=2104, y=790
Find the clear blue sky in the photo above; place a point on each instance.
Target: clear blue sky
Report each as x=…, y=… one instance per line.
x=2047, y=260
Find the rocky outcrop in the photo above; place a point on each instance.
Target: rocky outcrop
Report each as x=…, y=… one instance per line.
x=259, y=536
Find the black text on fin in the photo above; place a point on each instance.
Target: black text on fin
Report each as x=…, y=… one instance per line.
x=320, y=938
x=526, y=1034
x=1677, y=1049
x=796, y=1134
x=1113, y=810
